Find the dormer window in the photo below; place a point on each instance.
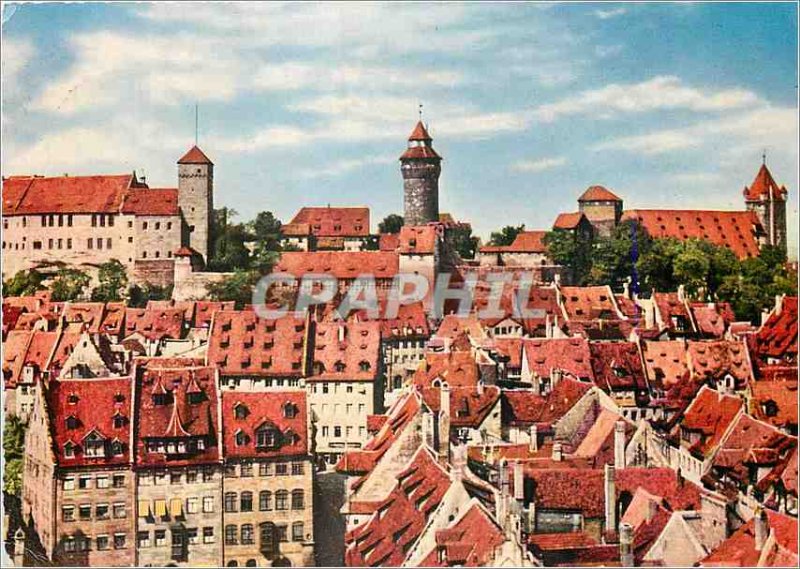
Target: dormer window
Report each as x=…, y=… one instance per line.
x=339, y=366
x=364, y=366
x=72, y=422
x=119, y=421
x=162, y=398
x=69, y=450
x=266, y=438
x=289, y=410
x=95, y=445
x=319, y=368
x=116, y=448
x=72, y=399
x=241, y=439
x=620, y=371
x=119, y=398
x=770, y=408
x=196, y=397
x=240, y=411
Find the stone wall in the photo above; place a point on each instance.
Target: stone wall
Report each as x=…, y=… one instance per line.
x=196, y=201
x=194, y=285
x=157, y=272
x=156, y=237
x=421, y=192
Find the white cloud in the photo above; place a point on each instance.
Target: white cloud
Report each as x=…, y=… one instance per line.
x=539, y=165
x=658, y=93
x=344, y=166
x=318, y=75
x=611, y=13
x=16, y=55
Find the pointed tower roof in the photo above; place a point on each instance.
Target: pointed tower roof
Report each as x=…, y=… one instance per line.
x=419, y=144
x=764, y=186
x=420, y=133
x=194, y=156
x=598, y=194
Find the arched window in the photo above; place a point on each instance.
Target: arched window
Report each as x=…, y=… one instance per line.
x=241, y=439
x=231, y=537
x=250, y=563
x=298, y=499
x=318, y=368
x=289, y=410
x=233, y=563
x=281, y=500
x=267, y=539
x=266, y=437
x=265, y=500
x=246, y=502
x=247, y=534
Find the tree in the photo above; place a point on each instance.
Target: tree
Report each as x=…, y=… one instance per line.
x=13, y=449
x=228, y=243
x=506, y=235
x=570, y=250
x=113, y=282
x=655, y=266
x=68, y=284
x=237, y=287
x=691, y=267
x=463, y=241
x=139, y=296
x=615, y=258
x=23, y=283
x=392, y=223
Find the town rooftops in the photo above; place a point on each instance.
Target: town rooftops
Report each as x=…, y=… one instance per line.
x=764, y=187
x=523, y=408
x=419, y=240
x=777, y=337
x=740, y=550
x=714, y=359
x=155, y=201
x=469, y=406
x=524, y=242
x=570, y=355
x=589, y=303
x=339, y=264
x=736, y=230
x=568, y=220
x=468, y=541
x=346, y=351
x=329, y=222
x=194, y=156
x=709, y=414
x=617, y=366
x=598, y=194
x=419, y=144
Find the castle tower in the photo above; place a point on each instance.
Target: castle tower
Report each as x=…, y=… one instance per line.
x=768, y=201
x=196, y=199
x=602, y=208
x=420, y=166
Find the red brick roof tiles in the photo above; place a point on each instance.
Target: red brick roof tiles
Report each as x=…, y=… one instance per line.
x=669, y=306
x=240, y=343
x=113, y=318
x=89, y=314
x=735, y=230
x=343, y=265
x=571, y=355
x=469, y=541
x=775, y=402
x=388, y=242
x=194, y=156
x=598, y=194
x=282, y=412
x=65, y=194
x=764, y=187
x=346, y=351
x=739, y=550
x=589, y=303
x=420, y=240
x=524, y=408
x=716, y=358
x=456, y=369
x=617, y=366
x=710, y=414
x=155, y=324
x=777, y=337
x=469, y=406
x=524, y=242
x=78, y=408
x=10, y=316
x=417, y=152
x=419, y=132
x=666, y=362
x=15, y=349
x=712, y=319
x=568, y=220
x=334, y=221
x=375, y=422
x=151, y=201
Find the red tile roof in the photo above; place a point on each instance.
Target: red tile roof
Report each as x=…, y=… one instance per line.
x=469, y=406
x=524, y=242
x=388, y=241
x=283, y=412
x=420, y=240
x=764, y=187
x=416, y=152
x=739, y=549
x=185, y=252
x=15, y=348
x=567, y=354
x=589, y=303
x=375, y=422
x=65, y=194
x=194, y=156
x=334, y=221
x=346, y=351
x=340, y=264
x=780, y=395
x=419, y=132
x=189, y=413
x=10, y=316
x=568, y=220
x=777, y=337
x=735, y=230
x=89, y=314
x=240, y=343
x=151, y=201
x=670, y=305
x=155, y=324
x=560, y=541
x=204, y=311
x=617, y=366
x=452, y=326
x=666, y=362
x=456, y=369
x=90, y=406
x=712, y=318
x=522, y=408
x=468, y=541
x=114, y=318
x=710, y=414
x=401, y=518
x=598, y=194
x=716, y=358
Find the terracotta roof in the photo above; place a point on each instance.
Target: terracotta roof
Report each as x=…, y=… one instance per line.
x=339, y=264
x=420, y=152
x=145, y=201
x=617, y=366
x=453, y=326
x=63, y=350
x=388, y=534
x=468, y=541
x=185, y=252
x=560, y=541
x=282, y=412
x=88, y=314
x=155, y=324
x=666, y=362
x=710, y=414
x=775, y=402
x=567, y=354
x=739, y=549
x=388, y=242
x=187, y=413
x=568, y=220
x=348, y=351
x=510, y=349
x=522, y=408
x=777, y=337
x=87, y=407
x=114, y=318
x=716, y=358
x=589, y=303
x=10, y=316
x=15, y=348
x=295, y=230
x=670, y=306
x=333, y=221
x=524, y=242
x=469, y=406
x=541, y=301
x=735, y=230
x=375, y=422
x=764, y=187
x=240, y=343
x=419, y=132
x=194, y=156
x=204, y=311
x=65, y=194
x=420, y=240
x=598, y=194
x=712, y=318
x=456, y=369
x=411, y=319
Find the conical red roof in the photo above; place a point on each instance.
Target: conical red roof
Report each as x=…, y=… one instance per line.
x=598, y=194
x=194, y=156
x=420, y=133
x=764, y=186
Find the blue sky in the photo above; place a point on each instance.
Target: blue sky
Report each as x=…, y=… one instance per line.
x=668, y=105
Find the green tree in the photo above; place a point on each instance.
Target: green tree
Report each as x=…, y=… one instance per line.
x=237, y=287
x=506, y=235
x=113, y=282
x=570, y=250
x=13, y=449
x=392, y=223
x=691, y=267
x=464, y=242
x=655, y=266
x=69, y=284
x=614, y=258
x=139, y=296
x=229, y=251
x=23, y=283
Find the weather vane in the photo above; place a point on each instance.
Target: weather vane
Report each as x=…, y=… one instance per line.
x=420, y=112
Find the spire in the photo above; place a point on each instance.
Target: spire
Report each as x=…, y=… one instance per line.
x=764, y=186
x=194, y=156
x=420, y=132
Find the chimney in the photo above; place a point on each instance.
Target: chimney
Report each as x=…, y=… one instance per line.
x=444, y=400
x=626, y=545
x=610, y=499
x=480, y=388
x=459, y=463
x=428, y=429
x=519, y=483
x=778, y=304
x=761, y=528
x=619, y=444
x=548, y=327
x=19, y=548
x=533, y=446
x=626, y=289
x=342, y=333
x=443, y=446
x=558, y=455
x=681, y=293
x=649, y=313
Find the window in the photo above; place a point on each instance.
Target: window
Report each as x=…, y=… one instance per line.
x=119, y=509
x=49, y=243
x=94, y=221
x=69, y=220
x=298, y=499
x=325, y=431
x=61, y=220
x=230, y=535
x=266, y=438
x=169, y=225
x=246, y=469
x=119, y=541
x=158, y=225
x=116, y=448
x=44, y=221
x=144, y=225
x=265, y=469
x=337, y=431
x=130, y=239
x=230, y=471
x=174, y=477
x=60, y=243
x=37, y=245
x=247, y=534
x=102, y=220
x=111, y=221
x=191, y=476
x=289, y=411
x=90, y=243
x=191, y=536
x=68, y=513
x=143, y=539
x=102, y=542
x=230, y=501
x=130, y=225
x=267, y=539
x=281, y=500
x=69, y=483
x=101, y=511
x=108, y=243
x=158, y=254
x=69, y=243
x=208, y=504
x=241, y=439
x=102, y=481
x=85, y=511
x=84, y=482
x=192, y=505
x=297, y=468
x=208, y=474
x=265, y=500
x=281, y=469
x=99, y=242
x=282, y=531
x=246, y=502
x=95, y=446
x=119, y=480
x=208, y=535
x=161, y=537
x=297, y=531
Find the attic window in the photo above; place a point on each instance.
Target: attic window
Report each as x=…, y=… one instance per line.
x=241, y=439
x=240, y=411
x=119, y=398
x=339, y=366
x=266, y=438
x=69, y=450
x=72, y=422
x=770, y=408
x=364, y=366
x=162, y=398
x=116, y=448
x=119, y=421
x=197, y=397
x=72, y=399
x=319, y=368
x=289, y=411
x=620, y=371
x=95, y=446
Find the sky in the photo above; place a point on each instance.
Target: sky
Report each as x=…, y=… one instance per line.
x=667, y=105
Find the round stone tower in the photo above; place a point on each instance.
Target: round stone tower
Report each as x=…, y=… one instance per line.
x=420, y=166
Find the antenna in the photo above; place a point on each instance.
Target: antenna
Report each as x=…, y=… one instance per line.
x=420, y=112
x=764, y=157
x=196, y=122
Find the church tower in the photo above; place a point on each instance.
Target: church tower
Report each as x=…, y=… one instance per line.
x=768, y=201
x=196, y=199
x=420, y=166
